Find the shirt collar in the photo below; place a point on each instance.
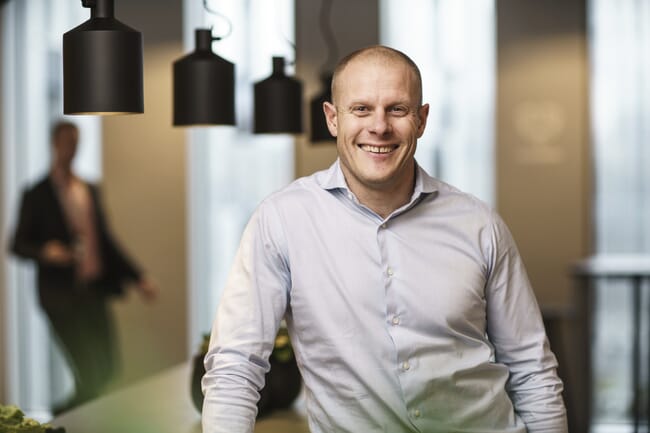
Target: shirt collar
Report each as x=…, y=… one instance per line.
x=333, y=178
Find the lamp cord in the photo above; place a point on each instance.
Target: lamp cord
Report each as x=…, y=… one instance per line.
x=223, y=17
x=289, y=42
x=328, y=34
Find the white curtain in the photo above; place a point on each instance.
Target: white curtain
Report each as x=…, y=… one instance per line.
x=31, y=92
x=453, y=43
x=620, y=108
x=230, y=169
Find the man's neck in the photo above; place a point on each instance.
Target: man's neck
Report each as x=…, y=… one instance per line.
x=383, y=200
x=61, y=175
x=382, y=205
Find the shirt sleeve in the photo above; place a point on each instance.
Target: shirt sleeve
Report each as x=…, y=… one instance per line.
x=243, y=334
x=516, y=330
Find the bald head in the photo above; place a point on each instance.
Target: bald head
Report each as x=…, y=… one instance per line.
x=65, y=136
x=380, y=54
x=62, y=127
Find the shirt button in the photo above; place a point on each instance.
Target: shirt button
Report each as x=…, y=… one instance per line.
x=405, y=365
x=390, y=272
x=416, y=413
x=383, y=226
x=395, y=320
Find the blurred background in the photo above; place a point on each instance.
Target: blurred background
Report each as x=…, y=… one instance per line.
x=539, y=107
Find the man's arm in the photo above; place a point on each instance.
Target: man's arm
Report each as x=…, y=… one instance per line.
x=25, y=242
x=119, y=262
x=250, y=310
x=516, y=329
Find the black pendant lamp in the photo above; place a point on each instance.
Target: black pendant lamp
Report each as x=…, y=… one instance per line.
x=278, y=102
x=102, y=65
x=204, y=86
x=319, y=131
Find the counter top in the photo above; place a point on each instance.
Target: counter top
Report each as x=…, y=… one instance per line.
x=160, y=404
x=613, y=265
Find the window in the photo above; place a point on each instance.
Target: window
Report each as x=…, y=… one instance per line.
x=620, y=106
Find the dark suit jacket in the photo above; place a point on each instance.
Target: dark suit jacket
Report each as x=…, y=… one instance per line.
x=41, y=220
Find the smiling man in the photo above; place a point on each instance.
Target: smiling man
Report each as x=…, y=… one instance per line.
x=377, y=118
x=406, y=300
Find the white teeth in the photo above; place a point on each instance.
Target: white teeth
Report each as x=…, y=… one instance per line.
x=378, y=149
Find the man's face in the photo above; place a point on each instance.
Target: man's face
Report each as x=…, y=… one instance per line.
x=65, y=146
x=377, y=120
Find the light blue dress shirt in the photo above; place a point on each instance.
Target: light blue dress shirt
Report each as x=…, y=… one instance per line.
x=424, y=321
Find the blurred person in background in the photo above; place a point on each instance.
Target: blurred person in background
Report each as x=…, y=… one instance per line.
x=63, y=229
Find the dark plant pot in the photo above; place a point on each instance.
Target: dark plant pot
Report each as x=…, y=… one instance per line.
x=198, y=370
x=283, y=384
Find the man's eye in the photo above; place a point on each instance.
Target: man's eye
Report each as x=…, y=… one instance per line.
x=399, y=110
x=360, y=111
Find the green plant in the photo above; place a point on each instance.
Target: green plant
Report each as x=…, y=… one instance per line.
x=13, y=420
x=282, y=349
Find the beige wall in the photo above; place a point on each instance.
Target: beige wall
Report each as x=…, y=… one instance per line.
x=543, y=162
x=355, y=25
x=543, y=176
x=144, y=192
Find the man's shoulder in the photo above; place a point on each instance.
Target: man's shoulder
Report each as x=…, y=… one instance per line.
x=302, y=188
x=39, y=187
x=453, y=196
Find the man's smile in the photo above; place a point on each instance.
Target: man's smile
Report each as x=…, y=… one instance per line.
x=378, y=149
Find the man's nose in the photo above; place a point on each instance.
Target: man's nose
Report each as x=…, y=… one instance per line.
x=380, y=123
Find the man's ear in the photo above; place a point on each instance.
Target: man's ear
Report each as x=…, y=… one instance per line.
x=330, y=116
x=423, y=114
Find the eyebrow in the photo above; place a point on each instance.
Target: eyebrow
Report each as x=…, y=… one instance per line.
x=390, y=104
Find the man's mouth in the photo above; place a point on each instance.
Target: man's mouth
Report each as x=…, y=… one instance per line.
x=378, y=149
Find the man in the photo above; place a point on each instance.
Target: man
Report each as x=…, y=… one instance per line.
x=406, y=300
x=63, y=229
